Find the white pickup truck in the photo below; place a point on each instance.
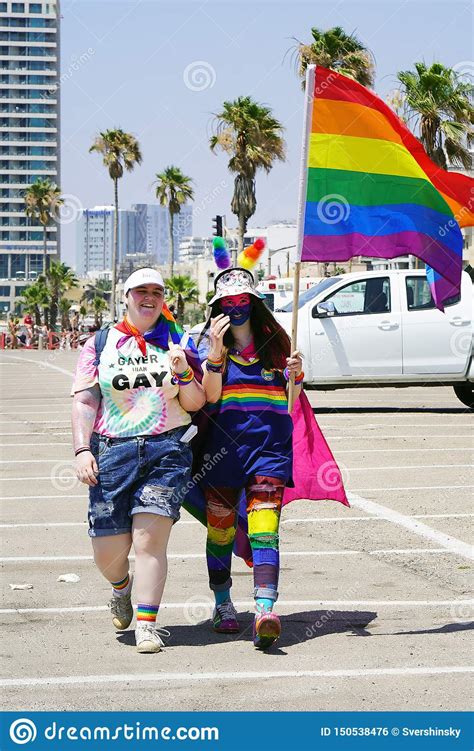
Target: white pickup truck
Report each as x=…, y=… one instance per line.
x=382, y=328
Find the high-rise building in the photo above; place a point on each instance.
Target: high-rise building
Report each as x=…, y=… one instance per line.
x=95, y=237
x=191, y=248
x=29, y=134
x=153, y=230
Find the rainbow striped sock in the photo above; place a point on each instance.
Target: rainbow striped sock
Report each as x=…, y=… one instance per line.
x=121, y=587
x=147, y=613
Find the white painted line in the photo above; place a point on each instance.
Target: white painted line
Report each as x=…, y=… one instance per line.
x=409, y=466
x=72, y=524
x=450, y=544
x=395, y=437
x=251, y=603
x=30, y=433
x=412, y=487
x=351, y=469
x=41, y=497
x=392, y=451
x=42, y=363
x=320, y=520
x=40, y=444
x=217, y=677
x=369, y=426
x=287, y=554
x=36, y=422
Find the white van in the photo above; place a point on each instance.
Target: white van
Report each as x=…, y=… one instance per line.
x=382, y=328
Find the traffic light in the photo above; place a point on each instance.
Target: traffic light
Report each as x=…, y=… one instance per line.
x=217, y=226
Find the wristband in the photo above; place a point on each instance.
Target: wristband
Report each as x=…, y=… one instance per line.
x=184, y=378
x=214, y=367
x=298, y=379
x=81, y=450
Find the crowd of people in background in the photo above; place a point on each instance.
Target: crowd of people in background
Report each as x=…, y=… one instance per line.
x=27, y=334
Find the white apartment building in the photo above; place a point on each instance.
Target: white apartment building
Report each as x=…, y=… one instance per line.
x=191, y=248
x=29, y=135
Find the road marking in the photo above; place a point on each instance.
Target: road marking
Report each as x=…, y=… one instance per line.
x=46, y=445
x=215, y=677
x=36, y=422
x=70, y=460
x=387, y=451
x=412, y=487
x=42, y=364
x=251, y=604
x=450, y=544
x=285, y=521
x=287, y=554
x=42, y=497
x=318, y=520
x=403, y=425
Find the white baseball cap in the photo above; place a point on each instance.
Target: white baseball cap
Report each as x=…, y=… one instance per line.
x=141, y=277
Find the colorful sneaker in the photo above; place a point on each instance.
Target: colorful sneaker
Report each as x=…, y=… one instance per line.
x=148, y=637
x=224, y=618
x=266, y=630
x=121, y=609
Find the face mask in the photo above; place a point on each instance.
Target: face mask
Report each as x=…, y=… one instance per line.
x=238, y=314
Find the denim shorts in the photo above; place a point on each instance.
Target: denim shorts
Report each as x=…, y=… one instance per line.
x=136, y=475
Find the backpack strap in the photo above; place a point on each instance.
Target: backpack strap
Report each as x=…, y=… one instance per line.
x=100, y=340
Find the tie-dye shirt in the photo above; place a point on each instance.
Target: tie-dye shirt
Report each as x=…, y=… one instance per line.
x=138, y=396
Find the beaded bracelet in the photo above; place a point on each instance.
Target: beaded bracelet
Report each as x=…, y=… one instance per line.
x=184, y=378
x=298, y=379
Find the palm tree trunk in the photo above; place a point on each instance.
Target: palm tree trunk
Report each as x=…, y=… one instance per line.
x=240, y=237
x=171, y=257
x=45, y=250
x=114, y=252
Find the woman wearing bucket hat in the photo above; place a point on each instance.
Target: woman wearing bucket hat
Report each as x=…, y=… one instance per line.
x=133, y=391
x=260, y=457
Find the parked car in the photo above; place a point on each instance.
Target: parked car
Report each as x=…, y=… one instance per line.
x=382, y=328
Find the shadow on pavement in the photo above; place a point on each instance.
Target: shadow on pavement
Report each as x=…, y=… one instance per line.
x=449, y=628
x=296, y=628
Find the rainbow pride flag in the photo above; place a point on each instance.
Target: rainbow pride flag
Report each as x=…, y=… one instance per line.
x=369, y=189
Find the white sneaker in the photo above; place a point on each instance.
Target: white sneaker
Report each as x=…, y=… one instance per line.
x=148, y=637
x=122, y=609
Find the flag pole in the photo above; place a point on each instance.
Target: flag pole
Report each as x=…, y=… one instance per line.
x=308, y=112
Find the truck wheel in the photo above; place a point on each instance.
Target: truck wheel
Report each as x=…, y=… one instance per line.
x=465, y=393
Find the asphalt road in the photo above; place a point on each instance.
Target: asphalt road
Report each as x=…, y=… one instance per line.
x=375, y=600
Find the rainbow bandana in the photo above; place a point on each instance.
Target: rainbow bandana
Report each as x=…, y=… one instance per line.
x=166, y=328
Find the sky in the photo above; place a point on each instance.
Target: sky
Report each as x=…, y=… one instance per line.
x=161, y=70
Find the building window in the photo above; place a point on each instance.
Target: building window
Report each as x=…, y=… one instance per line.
x=35, y=7
x=18, y=7
x=19, y=291
x=18, y=265
x=3, y=7
x=5, y=291
x=3, y=266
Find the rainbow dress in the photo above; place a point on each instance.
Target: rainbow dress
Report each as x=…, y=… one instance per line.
x=251, y=424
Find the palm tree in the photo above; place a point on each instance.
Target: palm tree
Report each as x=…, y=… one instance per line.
x=120, y=151
x=439, y=105
x=98, y=306
x=41, y=201
x=64, y=308
x=248, y=132
x=59, y=279
x=339, y=51
x=99, y=288
x=183, y=290
x=35, y=299
x=173, y=189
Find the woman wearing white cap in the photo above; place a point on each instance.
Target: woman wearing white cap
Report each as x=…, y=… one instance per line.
x=133, y=392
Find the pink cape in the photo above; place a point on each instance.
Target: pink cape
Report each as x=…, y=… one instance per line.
x=316, y=475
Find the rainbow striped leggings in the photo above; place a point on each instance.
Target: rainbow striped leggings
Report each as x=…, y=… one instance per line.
x=264, y=497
